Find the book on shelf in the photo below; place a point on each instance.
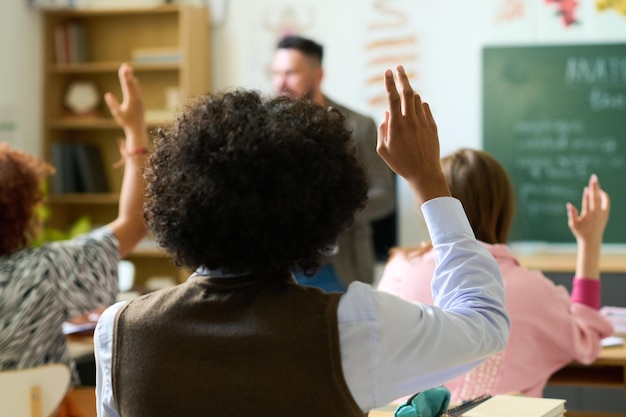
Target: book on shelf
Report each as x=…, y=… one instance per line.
x=70, y=43
x=92, y=175
x=79, y=169
x=77, y=35
x=155, y=55
x=65, y=179
x=61, y=44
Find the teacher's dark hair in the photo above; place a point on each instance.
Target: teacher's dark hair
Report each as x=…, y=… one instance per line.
x=249, y=184
x=308, y=47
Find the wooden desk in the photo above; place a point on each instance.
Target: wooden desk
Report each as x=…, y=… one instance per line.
x=566, y=262
x=79, y=346
x=608, y=371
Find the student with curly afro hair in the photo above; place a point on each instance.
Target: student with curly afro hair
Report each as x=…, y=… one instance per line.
x=246, y=190
x=262, y=185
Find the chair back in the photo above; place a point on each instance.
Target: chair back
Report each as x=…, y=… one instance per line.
x=35, y=392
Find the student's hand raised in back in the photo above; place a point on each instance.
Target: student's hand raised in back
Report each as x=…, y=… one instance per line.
x=588, y=227
x=589, y=224
x=408, y=140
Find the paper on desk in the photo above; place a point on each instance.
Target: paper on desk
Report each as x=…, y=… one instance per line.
x=612, y=341
x=617, y=317
x=72, y=328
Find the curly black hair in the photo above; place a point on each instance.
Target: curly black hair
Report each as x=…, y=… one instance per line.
x=252, y=184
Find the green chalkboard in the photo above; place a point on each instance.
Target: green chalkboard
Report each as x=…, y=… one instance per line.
x=553, y=115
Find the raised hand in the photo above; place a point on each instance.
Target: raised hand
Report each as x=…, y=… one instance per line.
x=589, y=224
x=130, y=113
x=588, y=227
x=408, y=140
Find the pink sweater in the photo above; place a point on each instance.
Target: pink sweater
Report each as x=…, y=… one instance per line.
x=548, y=330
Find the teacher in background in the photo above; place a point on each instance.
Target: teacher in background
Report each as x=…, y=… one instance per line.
x=549, y=328
x=40, y=288
x=297, y=73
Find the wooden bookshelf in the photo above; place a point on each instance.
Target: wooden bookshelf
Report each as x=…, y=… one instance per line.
x=111, y=37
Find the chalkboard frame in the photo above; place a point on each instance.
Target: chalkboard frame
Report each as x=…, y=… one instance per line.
x=553, y=115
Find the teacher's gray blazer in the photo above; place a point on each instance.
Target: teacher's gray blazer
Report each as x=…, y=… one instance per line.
x=354, y=259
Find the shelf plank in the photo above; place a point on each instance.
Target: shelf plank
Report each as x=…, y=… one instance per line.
x=155, y=252
x=104, y=67
x=85, y=198
x=112, y=11
x=82, y=123
x=153, y=118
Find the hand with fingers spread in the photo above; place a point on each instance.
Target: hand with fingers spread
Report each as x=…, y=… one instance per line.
x=130, y=113
x=588, y=227
x=408, y=140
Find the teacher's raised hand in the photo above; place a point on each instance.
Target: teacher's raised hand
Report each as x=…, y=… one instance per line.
x=408, y=140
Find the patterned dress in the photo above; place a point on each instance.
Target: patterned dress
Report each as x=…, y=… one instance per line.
x=40, y=288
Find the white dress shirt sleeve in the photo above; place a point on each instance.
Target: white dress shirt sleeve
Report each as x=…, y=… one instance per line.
x=391, y=348
x=103, y=350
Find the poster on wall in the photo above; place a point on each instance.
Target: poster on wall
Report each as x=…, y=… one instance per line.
x=610, y=19
x=391, y=39
x=557, y=21
x=565, y=20
x=512, y=20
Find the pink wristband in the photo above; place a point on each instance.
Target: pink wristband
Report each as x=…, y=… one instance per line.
x=586, y=291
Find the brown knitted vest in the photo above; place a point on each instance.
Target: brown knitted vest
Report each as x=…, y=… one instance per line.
x=242, y=346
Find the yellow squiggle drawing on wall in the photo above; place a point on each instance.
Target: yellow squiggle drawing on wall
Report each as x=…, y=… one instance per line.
x=618, y=5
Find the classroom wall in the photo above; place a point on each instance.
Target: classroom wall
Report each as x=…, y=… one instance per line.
x=439, y=41
x=20, y=75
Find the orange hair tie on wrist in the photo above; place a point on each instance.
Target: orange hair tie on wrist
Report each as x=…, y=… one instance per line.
x=140, y=150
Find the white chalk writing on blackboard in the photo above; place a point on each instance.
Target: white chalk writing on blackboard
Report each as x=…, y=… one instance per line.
x=549, y=126
x=610, y=69
x=600, y=99
x=553, y=152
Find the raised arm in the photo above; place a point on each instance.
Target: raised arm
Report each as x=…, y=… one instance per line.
x=588, y=228
x=129, y=226
x=408, y=141
x=414, y=346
